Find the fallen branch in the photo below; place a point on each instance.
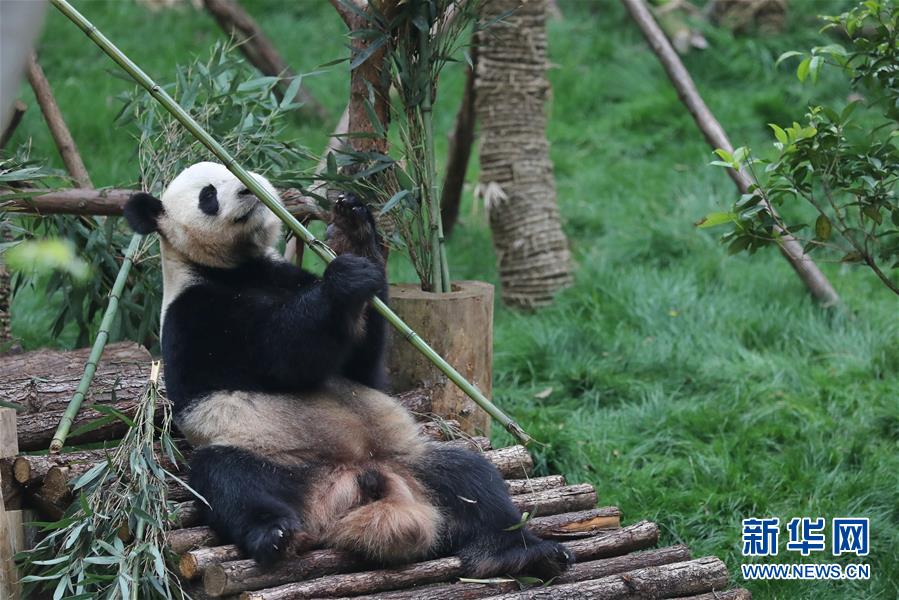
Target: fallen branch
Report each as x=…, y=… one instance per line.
x=578, y=572
x=57, y=125
x=259, y=50
x=791, y=249
x=559, y=500
x=736, y=594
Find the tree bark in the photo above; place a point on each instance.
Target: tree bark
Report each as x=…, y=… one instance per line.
x=517, y=179
x=664, y=581
x=46, y=363
x=615, y=542
x=241, y=575
x=460, y=142
x=57, y=125
x=111, y=202
x=736, y=594
x=369, y=74
x=558, y=500
x=537, y=484
x=791, y=249
x=578, y=572
x=576, y=524
x=259, y=50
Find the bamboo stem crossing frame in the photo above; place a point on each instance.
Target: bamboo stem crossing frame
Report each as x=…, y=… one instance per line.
x=317, y=246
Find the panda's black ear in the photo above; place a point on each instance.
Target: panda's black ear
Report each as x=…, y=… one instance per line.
x=142, y=212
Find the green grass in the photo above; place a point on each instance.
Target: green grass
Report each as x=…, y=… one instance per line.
x=692, y=388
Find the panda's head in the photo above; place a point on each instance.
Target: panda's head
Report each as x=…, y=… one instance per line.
x=208, y=217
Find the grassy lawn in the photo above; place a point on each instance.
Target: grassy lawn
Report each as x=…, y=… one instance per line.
x=692, y=388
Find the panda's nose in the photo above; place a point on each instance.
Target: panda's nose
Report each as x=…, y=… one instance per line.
x=245, y=192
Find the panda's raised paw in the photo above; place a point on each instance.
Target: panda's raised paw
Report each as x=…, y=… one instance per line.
x=350, y=212
x=353, y=278
x=267, y=541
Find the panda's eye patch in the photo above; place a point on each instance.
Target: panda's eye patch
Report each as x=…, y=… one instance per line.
x=245, y=192
x=209, y=202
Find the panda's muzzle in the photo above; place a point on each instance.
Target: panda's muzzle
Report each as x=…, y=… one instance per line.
x=245, y=217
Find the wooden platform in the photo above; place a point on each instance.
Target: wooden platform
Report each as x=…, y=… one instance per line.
x=612, y=561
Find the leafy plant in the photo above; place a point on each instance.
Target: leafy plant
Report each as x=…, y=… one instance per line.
x=419, y=37
x=231, y=101
x=110, y=543
x=844, y=163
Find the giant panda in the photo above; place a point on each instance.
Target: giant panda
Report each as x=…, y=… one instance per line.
x=273, y=374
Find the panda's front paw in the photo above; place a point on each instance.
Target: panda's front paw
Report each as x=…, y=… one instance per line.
x=352, y=228
x=268, y=540
x=353, y=279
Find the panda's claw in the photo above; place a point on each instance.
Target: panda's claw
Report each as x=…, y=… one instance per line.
x=264, y=541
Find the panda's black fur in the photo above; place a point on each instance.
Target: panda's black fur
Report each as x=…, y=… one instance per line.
x=274, y=375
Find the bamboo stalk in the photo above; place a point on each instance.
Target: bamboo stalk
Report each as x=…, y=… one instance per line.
x=272, y=203
x=439, y=265
x=62, y=430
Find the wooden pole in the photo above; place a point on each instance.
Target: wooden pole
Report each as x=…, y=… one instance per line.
x=790, y=247
x=57, y=125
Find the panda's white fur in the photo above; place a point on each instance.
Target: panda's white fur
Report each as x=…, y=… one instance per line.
x=272, y=382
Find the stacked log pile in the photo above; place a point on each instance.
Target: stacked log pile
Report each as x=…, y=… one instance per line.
x=612, y=561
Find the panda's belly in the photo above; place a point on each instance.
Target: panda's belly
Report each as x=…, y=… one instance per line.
x=343, y=423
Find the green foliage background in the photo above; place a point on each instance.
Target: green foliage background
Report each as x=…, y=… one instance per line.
x=693, y=388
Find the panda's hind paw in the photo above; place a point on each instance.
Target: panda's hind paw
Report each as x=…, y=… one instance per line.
x=267, y=541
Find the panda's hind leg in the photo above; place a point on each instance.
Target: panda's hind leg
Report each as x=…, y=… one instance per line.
x=482, y=525
x=253, y=502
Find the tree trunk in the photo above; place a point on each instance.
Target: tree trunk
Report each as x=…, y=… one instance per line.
x=460, y=142
x=517, y=180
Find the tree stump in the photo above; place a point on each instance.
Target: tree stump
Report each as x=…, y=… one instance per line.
x=459, y=326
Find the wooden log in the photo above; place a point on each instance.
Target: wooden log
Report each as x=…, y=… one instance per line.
x=735, y=594
x=18, y=112
x=614, y=543
x=111, y=202
x=664, y=581
x=576, y=524
x=578, y=572
x=467, y=310
x=65, y=143
x=416, y=401
x=241, y=575
x=557, y=500
x=181, y=541
x=534, y=484
x=10, y=491
x=259, y=50
x=350, y=584
x=477, y=443
x=45, y=363
x=513, y=461
x=36, y=430
x=194, y=563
